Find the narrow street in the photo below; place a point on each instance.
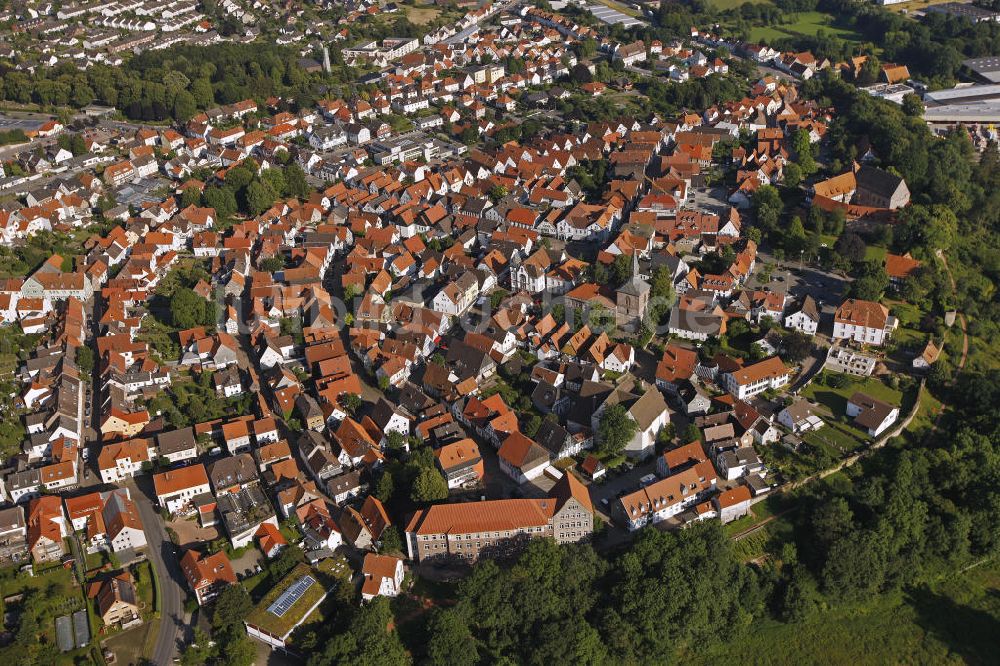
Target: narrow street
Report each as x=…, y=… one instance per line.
x=172, y=629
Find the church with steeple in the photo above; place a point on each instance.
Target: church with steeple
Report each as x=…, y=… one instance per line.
x=632, y=298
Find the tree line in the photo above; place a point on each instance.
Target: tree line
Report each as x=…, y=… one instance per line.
x=177, y=82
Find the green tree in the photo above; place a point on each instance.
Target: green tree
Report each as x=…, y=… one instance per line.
x=222, y=199
x=188, y=309
x=692, y=433
x=191, y=196
x=231, y=607
x=850, y=247
x=615, y=429
x=295, y=180
x=198, y=652
x=391, y=541
x=260, y=197
x=792, y=175
x=185, y=106
x=429, y=486
x=451, y=641
x=85, y=360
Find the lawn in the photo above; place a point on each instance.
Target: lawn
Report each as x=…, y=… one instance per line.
x=953, y=622
x=875, y=253
x=835, y=399
x=774, y=504
x=837, y=439
x=804, y=23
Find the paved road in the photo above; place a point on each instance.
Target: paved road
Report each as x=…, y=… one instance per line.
x=168, y=572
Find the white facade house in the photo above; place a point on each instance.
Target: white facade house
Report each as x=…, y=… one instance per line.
x=874, y=416
x=176, y=488
x=803, y=320
x=748, y=381
x=383, y=576
x=666, y=498
x=865, y=322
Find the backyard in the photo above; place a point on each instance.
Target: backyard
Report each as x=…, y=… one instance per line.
x=835, y=397
x=52, y=592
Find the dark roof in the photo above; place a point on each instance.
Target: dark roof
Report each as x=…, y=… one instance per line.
x=877, y=180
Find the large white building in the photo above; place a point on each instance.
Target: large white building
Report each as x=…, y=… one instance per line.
x=865, y=322
x=749, y=380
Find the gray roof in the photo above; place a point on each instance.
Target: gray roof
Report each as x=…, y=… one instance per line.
x=175, y=441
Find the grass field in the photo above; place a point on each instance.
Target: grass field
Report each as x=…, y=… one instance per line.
x=954, y=622
x=805, y=23
x=908, y=334
x=421, y=14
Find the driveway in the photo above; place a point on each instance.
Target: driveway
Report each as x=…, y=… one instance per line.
x=168, y=573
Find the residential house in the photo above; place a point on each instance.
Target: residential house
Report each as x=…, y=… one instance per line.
x=747, y=381
x=382, y=576
x=870, y=414
x=176, y=488
x=521, y=458
x=206, y=575
x=733, y=503
x=47, y=528
x=460, y=463
x=863, y=321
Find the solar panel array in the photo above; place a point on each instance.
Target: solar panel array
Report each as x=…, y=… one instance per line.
x=294, y=592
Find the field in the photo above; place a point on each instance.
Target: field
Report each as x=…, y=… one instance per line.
x=953, y=622
x=805, y=23
x=421, y=14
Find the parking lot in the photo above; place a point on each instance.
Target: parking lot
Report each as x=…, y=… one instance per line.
x=795, y=281
x=8, y=123
x=712, y=199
